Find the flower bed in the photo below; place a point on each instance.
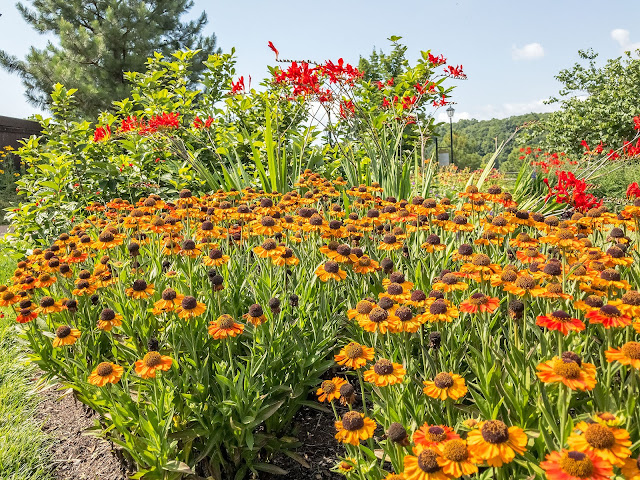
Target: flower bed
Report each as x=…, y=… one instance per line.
x=449, y=337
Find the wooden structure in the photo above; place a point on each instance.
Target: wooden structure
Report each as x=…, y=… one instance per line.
x=12, y=130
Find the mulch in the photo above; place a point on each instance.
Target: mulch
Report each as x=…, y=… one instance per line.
x=77, y=455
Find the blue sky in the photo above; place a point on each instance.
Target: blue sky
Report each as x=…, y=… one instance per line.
x=510, y=50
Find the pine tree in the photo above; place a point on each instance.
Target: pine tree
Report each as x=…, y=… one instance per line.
x=100, y=40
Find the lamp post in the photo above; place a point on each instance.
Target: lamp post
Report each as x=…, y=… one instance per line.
x=450, y=112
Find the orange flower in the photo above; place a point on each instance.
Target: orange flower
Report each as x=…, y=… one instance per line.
x=609, y=443
x=569, y=370
x=380, y=320
x=190, y=308
x=609, y=316
x=354, y=427
x=573, y=465
x=446, y=385
x=629, y=354
x=354, y=355
x=106, y=373
x=140, y=290
x=364, y=265
x=331, y=270
x=480, y=302
x=560, y=321
x=631, y=469
x=151, y=363
x=496, y=443
x=65, y=335
x=384, y=373
x=269, y=249
x=457, y=459
x=424, y=466
x=109, y=319
x=330, y=389
x=431, y=435
x=225, y=326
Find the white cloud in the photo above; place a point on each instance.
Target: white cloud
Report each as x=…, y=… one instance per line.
x=528, y=52
x=623, y=37
x=443, y=117
x=487, y=112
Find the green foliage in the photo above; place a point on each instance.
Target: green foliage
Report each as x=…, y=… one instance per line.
x=475, y=141
x=99, y=42
x=381, y=66
x=23, y=445
x=596, y=104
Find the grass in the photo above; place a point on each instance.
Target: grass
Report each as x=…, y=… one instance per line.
x=23, y=445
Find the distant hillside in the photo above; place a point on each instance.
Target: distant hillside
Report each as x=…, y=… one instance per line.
x=475, y=141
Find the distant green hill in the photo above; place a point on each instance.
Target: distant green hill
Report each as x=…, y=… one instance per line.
x=475, y=141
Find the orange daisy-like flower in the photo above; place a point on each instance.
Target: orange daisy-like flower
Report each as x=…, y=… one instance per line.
x=380, y=320
x=389, y=242
x=330, y=389
x=269, y=249
x=481, y=264
x=65, y=335
x=109, y=319
x=450, y=282
x=169, y=302
x=479, y=302
x=629, y=304
x=431, y=435
x=49, y=305
x=628, y=354
x=457, y=459
x=524, y=284
x=225, y=326
x=560, y=321
x=106, y=373
x=569, y=370
x=354, y=427
x=190, y=307
x=445, y=385
x=108, y=240
x=362, y=311
x=496, y=443
x=609, y=316
x=384, y=373
x=423, y=466
x=354, y=355
x=609, y=443
x=8, y=298
x=631, y=469
x=396, y=292
x=215, y=258
x=140, y=289
x=365, y=264
x=439, y=311
x=151, y=363
x=330, y=270
x=287, y=258
x=573, y=465
x=255, y=315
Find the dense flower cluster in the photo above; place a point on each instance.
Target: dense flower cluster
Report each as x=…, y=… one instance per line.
x=443, y=297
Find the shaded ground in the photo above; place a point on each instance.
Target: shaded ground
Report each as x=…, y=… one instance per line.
x=76, y=456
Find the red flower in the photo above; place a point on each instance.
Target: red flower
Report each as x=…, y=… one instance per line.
x=636, y=123
x=102, y=133
x=165, y=120
x=585, y=145
x=437, y=61
x=633, y=190
x=275, y=50
x=237, y=86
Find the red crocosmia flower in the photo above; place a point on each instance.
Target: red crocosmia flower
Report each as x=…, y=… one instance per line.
x=130, y=123
x=208, y=122
x=585, y=145
x=599, y=148
x=197, y=123
x=237, y=86
x=633, y=190
x=455, y=72
x=440, y=103
x=165, y=120
x=102, y=133
x=390, y=82
x=437, y=61
x=347, y=108
x=407, y=102
x=386, y=103
x=272, y=47
x=636, y=123
x=613, y=155
x=380, y=85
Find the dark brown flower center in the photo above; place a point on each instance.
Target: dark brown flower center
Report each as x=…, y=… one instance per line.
x=378, y=315
x=226, y=322
x=47, y=302
x=438, y=307
x=428, y=461
x=352, y=421
x=577, y=464
x=364, y=307
x=495, y=431
x=481, y=260
x=63, y=331
x=107, y=315
x=599, y=436
x=354, y=350
x=139, y=285
x=525, y=282
x=189, y=303
x=267, y=221
x=269, y=244
x=331, y=267
x=610, y=311
x=395, y=289
x=152, y=359
x=383, y=367
x=443, y=381
x=104, y=369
